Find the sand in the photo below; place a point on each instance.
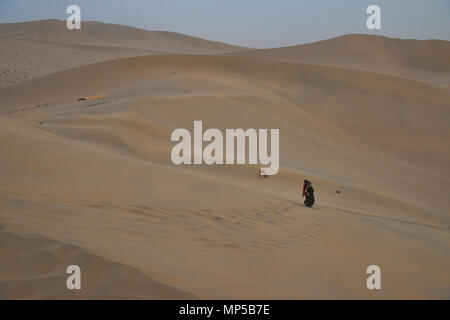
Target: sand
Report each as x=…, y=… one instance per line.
x=95, y=185
x=34, y=267
x=424, y=60
x=33, y=49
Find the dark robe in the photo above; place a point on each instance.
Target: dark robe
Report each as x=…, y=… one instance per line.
x=309, y=201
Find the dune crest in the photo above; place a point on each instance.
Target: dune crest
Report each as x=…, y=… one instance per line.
x=425, y=60
x=32, y=49
x=108, y=34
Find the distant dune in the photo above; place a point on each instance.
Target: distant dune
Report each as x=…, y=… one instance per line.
x=22, y=60
x=100, y=178
x=98, y=33
x=32, y=49
x=419, y=59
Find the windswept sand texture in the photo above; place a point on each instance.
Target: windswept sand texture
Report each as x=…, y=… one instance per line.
x=95, y=185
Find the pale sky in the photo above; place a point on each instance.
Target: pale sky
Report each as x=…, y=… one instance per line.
x=253, y=23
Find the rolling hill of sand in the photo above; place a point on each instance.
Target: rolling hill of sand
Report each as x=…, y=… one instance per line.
x=100, y=178
x=22, y=60
x=107, y=34
x=33, y=49
x=426, y=60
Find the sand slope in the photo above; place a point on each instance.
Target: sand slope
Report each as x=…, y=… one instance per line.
x=101, y=178
x=31, y=263
x=98, y=33
x=22, y=60
x=33, y=49
x=425, y=60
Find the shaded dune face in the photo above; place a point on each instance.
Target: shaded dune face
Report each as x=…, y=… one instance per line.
x=100, y=177
x=34, y=267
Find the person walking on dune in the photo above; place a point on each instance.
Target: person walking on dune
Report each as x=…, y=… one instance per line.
x=308, y=193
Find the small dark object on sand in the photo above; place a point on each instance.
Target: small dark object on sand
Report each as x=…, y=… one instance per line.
x=308, y=192
x=338, y=191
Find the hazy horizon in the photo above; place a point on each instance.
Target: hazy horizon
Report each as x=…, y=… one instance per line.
x=256, y=24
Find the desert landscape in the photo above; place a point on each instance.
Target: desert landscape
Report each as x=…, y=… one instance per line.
x=365, y=118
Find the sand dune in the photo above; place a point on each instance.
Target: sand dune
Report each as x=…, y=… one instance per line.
x=106, y=34
x=100, y=177
x=33, y=49
x=22, y=60
x=355, y=102
x=32, y=262
x=425, y=60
